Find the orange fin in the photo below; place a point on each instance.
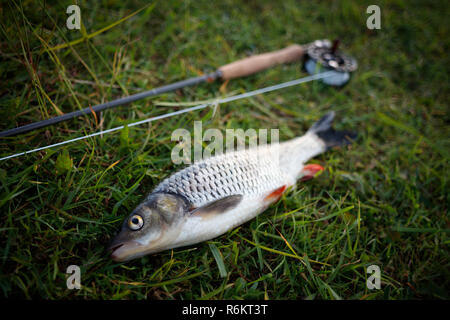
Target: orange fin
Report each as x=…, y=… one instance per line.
x=310, y=170
x=276, y=194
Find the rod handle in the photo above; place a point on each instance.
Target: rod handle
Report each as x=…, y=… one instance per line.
x=254, y=64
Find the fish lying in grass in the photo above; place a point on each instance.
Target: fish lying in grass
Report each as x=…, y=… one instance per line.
x=212, y=196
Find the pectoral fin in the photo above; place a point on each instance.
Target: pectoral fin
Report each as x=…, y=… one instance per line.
x=217, y=207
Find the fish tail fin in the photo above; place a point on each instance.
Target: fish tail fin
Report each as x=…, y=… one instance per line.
x=330, y=137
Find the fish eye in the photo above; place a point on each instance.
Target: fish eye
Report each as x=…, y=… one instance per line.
x=135, y=222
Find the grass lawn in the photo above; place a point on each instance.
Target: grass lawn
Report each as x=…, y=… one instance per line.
x=382, y=201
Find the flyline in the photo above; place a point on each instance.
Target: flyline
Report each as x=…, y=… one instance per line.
x=199, y=107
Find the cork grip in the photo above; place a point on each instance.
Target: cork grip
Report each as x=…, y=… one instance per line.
x=253, y=64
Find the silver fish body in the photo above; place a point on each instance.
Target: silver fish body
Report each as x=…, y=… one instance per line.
x=214, y=195
x=248, y=173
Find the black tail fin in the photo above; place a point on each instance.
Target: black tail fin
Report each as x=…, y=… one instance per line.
x=331, y=137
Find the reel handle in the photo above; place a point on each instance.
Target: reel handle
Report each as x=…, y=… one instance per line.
x=254, y=64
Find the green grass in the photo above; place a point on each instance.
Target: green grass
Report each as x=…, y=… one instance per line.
x=384, y=200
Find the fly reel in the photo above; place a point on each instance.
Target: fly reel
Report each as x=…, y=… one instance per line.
x=322, y=56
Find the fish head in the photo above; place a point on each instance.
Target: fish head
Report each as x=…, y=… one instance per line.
x=150, y=228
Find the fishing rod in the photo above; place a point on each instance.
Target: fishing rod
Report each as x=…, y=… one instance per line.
x=323, y=62
x=321, y=54
x=322, y=75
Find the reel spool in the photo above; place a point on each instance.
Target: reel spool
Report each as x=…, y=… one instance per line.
x=323, y=56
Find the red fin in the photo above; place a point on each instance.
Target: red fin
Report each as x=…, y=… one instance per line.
x=310, y=170
x=276, y=194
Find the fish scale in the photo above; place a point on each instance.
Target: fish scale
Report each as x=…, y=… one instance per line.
x=246, y=172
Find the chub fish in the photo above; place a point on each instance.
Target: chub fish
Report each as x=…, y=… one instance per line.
x=214, y=195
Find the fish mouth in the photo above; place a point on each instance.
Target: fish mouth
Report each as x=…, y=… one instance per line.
x=124, y=251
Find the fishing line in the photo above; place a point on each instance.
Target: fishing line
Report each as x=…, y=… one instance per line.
x=199, y=107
